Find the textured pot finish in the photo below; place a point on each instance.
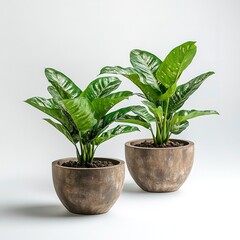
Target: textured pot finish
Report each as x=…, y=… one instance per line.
x=159, y=169
x=88, y=190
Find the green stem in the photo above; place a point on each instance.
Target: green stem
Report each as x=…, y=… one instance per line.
x=153, y=136
x=165, y=123
x=158, y=134
x=78, y=154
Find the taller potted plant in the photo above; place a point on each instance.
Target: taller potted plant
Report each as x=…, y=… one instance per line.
x=85, y=184
x=161, y=164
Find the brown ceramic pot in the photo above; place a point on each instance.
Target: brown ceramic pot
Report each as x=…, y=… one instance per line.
x=159, y=169
x=88, y=190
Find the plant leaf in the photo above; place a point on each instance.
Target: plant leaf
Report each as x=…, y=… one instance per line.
x=147, y=64
x=175, y=63
x=101, y=87
x=134, y=120
x=81, y=112
x=51, y=108
x=64, y=85
x=102, y=105
x=110, y=118
x=150, y=93
x=120, y=129
x=125, y=94
x=184, y=91
x=62, y=129
x=170, y=91
x=178, y=128
x=157, y=111
x=184, y=115
x=143, y=113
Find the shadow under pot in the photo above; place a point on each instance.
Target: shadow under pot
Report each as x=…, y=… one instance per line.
x=88, y=190
x=159, y=169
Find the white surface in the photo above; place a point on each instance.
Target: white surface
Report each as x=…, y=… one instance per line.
x=78, y=38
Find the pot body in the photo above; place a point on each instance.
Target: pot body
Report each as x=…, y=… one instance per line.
x=159, y=169
x=88, y=190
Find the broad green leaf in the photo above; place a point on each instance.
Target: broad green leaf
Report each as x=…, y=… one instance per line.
x=134, y=120
x=178, y=128
x=175, y=63
x=184, y=115
x=109, y=118
x=150, y=93
x=143, y=113
x=54, y=93
x=64, y=85
x=184, y=91
x=140, y=95
x=170, y=91
x=147, y=64
x=101, y=87
x=120, y=129
x=56, y=96
x=125, y=94
x=157, y=111
x=51, y=108
x=62, y=129
x=102, y=105
x=81, y=112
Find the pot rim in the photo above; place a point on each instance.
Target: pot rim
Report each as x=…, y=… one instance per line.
x=129, y=144
x=55, y=163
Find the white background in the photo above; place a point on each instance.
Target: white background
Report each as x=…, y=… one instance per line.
x=79, y=38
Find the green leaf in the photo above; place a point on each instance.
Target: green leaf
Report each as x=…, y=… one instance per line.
x=175, y=63
x=170, y=91
x=57, y=97
x=146, y=64
x=110, y=118
x=157, y=111
x=184, y=91
x=102, y=105
x=64, y=85
x=125, y=94
x=178, y=128
x=81, y=112
x=62, y=129
x=54, y=93
x=143, y=113
x=51, y=108
x=134, y=120
x=101, y=87
x=120, y=129
x=184, y=115
x=150, y=93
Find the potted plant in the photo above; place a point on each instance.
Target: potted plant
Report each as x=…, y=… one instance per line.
x=161, y=164
x=85, y=184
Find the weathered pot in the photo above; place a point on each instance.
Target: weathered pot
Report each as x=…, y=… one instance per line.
x=159, y=169
x=88, y=190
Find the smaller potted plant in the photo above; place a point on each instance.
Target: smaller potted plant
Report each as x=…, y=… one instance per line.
x=85, y=185
x=161, y=164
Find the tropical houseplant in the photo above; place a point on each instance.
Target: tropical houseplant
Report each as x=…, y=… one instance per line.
x=82, y=183
x=161, y=164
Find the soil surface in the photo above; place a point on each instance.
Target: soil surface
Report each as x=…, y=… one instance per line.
x=95, y=164
x=170, y=143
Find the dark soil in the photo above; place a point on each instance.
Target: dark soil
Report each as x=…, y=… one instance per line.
x=170, y=143
x=95, y=164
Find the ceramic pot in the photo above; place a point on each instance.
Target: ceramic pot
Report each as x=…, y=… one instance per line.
x=88, y=190
x=159, y=169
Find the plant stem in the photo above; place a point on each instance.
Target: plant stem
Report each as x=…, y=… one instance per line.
x=153, y=136
x=165, y=123
x=78, y=154
x=158, y=134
